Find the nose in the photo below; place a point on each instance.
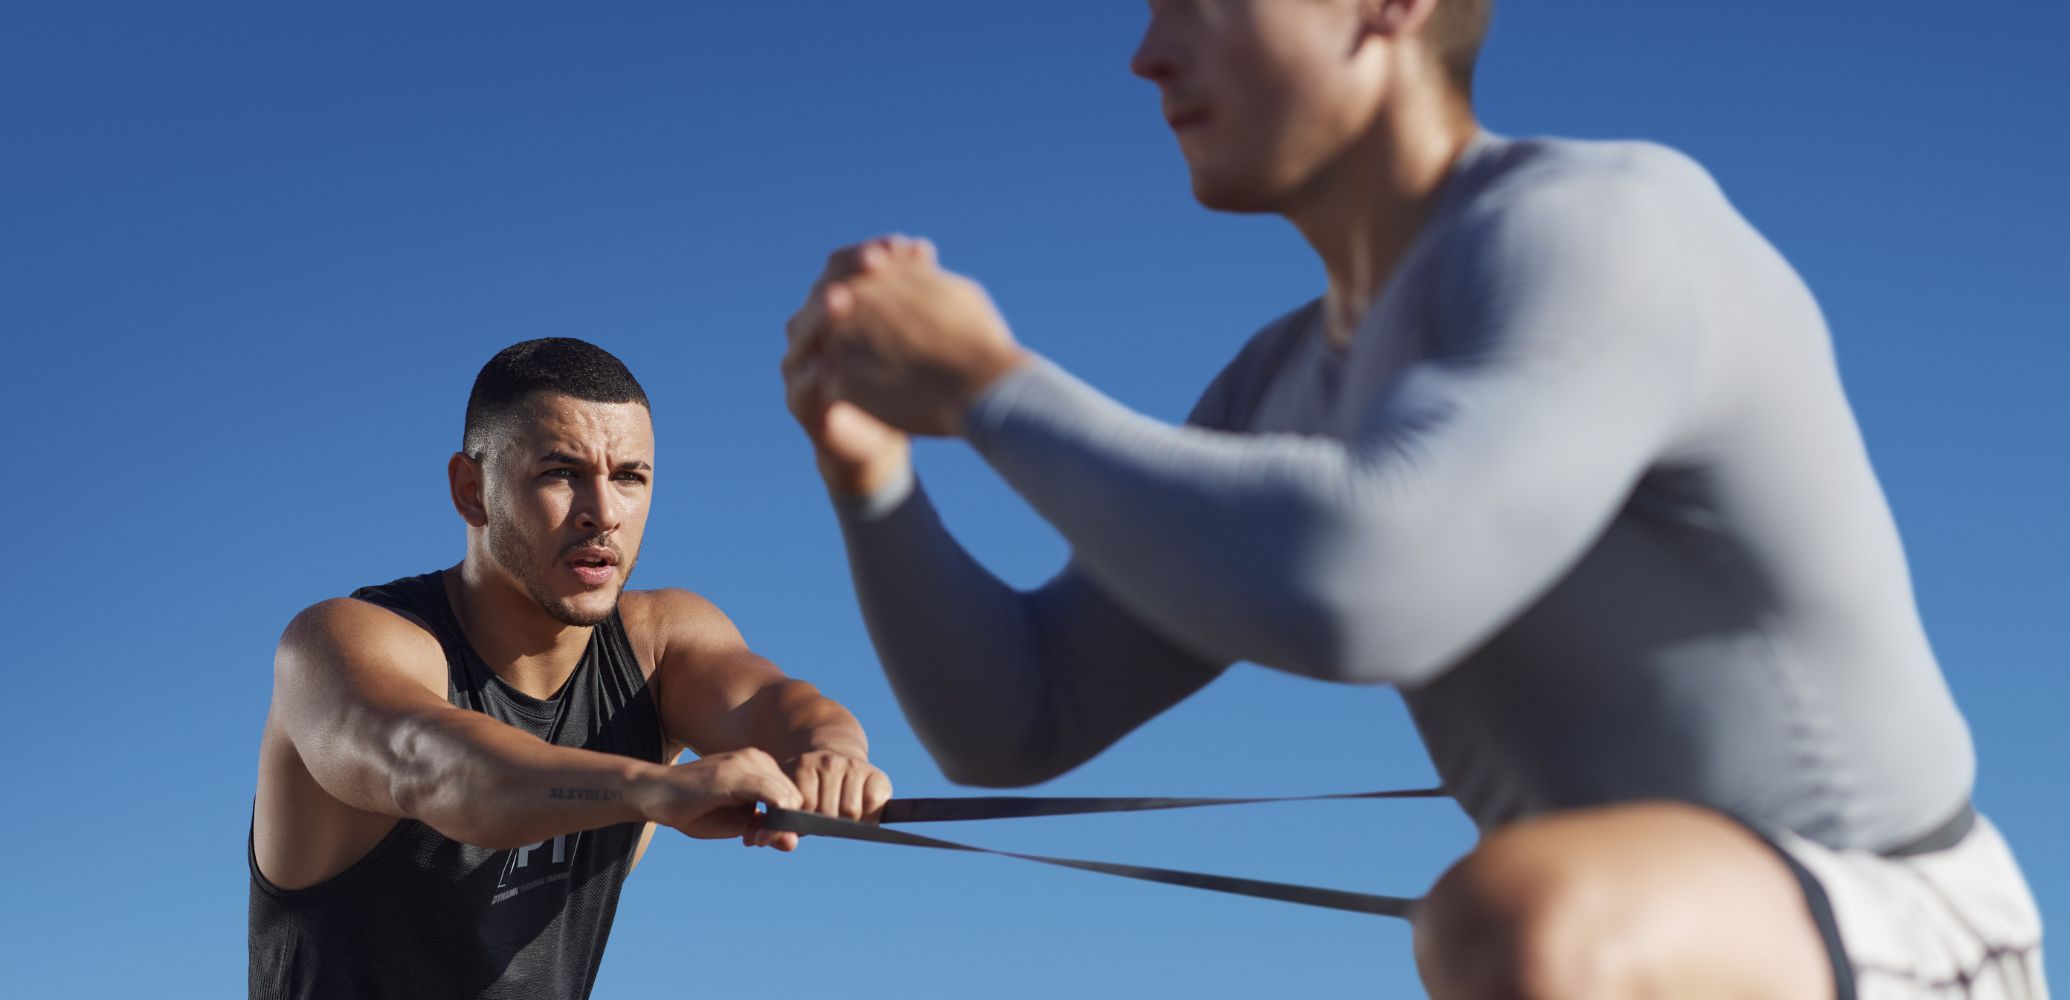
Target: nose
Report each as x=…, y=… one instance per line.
x=594, y=511
x=1156, y=58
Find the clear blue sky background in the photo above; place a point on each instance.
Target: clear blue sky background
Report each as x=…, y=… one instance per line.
x=252, y=254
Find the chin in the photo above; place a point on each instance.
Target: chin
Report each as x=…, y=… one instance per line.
x=583, y=610
x=1244, y=196
x=583, y=615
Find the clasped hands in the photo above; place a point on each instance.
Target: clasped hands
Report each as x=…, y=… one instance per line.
x=889, y=344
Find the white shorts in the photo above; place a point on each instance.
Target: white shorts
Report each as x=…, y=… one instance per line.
x=1954, y=922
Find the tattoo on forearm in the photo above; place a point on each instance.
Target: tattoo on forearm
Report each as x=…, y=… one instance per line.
x=586, y=794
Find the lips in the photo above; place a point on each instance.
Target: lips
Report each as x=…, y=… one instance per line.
x=594, y=565
x=1186, y=118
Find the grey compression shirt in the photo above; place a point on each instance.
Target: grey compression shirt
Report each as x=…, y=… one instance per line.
x=1584, y=486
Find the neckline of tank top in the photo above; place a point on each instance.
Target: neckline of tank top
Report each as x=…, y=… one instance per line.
x=540, y=709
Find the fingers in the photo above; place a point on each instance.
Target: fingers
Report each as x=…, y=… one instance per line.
x=805, y=325
x=801, y=332
x=841, y=786
x=857, y=257
x=844, y=263
x=763, y=780
x=831, y=793
x=809, y=324
x=823, y=304
x=864, y=794
x=839, y=302
x=758, y=835
x=757, y=778
x=828, y=783
x=850, y=801
x=804, y=383
x=912, y=249
x=876, y=792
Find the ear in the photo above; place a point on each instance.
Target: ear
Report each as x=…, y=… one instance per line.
x=464, y=477
x=1396, y=18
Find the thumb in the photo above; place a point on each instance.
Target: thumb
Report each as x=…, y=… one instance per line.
x=772, y=787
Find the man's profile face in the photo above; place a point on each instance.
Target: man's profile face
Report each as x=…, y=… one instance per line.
x=1262, y=94
x=566, y=491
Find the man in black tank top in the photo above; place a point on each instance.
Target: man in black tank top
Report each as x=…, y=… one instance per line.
x=459, y=769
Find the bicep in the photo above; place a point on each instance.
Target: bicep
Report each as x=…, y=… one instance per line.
x=1567, y=371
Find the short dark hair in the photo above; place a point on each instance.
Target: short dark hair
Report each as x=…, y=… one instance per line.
x=565, y=365
x=1455, y=31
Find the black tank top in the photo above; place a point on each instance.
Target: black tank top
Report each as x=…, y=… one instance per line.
x=424, y=916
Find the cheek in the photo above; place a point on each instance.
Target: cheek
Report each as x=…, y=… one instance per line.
x=632, y=513
x=1299, y=88
x=530, y=512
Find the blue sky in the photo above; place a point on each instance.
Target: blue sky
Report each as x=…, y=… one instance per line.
x=251, y=255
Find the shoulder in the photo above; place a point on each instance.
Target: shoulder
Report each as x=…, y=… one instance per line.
x=1576, y=250
x=1564, y=223
x=688, y=646
x=673, y=617
x=1538, y=192
x=345, y=634
x=1521, y=167
x=351, y=621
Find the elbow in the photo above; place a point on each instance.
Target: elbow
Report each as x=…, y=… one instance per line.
x=421, y=787
x=994, y=774
x=997, y=767
x=425, y=784
x=978, y=773
x=1319, y=645
x=1007, y=756
x=1337, y=634
x=1350, y=602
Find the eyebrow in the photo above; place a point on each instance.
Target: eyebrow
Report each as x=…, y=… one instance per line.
x=564, y=458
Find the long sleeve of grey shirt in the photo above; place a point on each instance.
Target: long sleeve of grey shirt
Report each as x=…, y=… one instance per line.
x=1590, y=405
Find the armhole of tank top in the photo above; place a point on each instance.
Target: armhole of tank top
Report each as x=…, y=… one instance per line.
x=617, y=635
x=437, y=621
x=392, y=604
x=329, y=885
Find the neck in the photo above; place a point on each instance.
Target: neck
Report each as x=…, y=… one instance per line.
x=525, y=646
x=1362, y=211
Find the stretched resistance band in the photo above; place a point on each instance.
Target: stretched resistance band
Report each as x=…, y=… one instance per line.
x=1019, y=807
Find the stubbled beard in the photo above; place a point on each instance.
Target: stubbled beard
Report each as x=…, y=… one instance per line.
x=509, y=552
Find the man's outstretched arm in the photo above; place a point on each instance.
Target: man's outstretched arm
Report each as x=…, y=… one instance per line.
x=717, y=696
x=354, y=694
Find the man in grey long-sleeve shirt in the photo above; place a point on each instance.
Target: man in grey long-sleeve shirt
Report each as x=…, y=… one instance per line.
x=1561, y=453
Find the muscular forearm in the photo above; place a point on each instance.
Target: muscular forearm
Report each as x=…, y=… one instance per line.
x=791, y=717
x=484, y=783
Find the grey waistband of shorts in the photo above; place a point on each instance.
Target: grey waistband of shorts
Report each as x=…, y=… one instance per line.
x=1949, y=833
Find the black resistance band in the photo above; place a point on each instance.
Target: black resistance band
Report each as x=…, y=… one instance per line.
x=1019, y=807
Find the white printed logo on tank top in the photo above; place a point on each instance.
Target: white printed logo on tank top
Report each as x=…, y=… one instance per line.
x=544, y=863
